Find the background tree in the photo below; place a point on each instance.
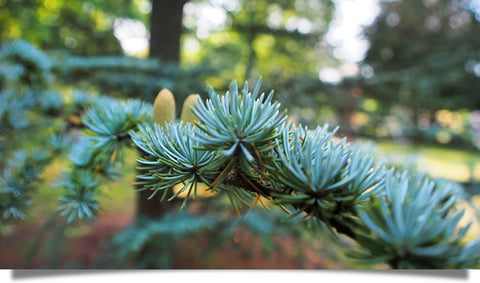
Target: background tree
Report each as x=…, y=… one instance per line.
x=166, y=29
x=277, y=40
x=438, y=67
x=82, y=27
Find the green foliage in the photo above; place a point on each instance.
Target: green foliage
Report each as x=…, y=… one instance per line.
x=50, y=101
x=437, y=68
x=314, y=175
x=265, y=37
x=33, y=66
x=171, y=160
x=132, y=77
x=108, y=124
x=328, y=180
x=84, y=27
x=238, y=124
x=92, y=155
x=17, y=182
x=129, y=76
x=412, y=225
x=27, y=77
x=12, y=111
x=12, y=204
x=58, y=143
x=88, y=65
x=80, y=198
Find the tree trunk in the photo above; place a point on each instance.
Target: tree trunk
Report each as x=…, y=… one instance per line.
x=153, y=208
x=166, y=29
x=165, y=32
x=251, y=55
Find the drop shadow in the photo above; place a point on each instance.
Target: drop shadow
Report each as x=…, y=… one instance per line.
x=436, y=273
x=450, y=274
x=40, y=273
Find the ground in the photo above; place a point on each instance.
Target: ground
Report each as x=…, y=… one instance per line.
x=88, y=246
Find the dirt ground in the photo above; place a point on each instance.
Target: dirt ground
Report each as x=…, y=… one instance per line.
x=88, y=245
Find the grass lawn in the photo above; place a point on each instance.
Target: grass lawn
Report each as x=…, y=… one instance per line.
x=440, y=162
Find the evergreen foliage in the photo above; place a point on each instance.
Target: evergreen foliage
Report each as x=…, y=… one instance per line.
x=128, y=76
x=17, y=182
x=108, y=122
x=33, y=66
x=311, y=174
x=412, y=224
x=12, y=111
x=238, y=124
x=80, y=198
x=171, y=160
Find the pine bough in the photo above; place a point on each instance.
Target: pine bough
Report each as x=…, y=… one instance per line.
x=243, y=146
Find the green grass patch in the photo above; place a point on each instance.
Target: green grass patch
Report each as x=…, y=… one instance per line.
x=440, y=162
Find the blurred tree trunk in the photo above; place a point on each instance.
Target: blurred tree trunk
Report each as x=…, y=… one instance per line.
x=165, y=33
x=166, y=29
x=251, y=55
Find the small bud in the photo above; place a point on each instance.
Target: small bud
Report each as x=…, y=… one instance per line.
x=187, y=113
x=164, y=107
